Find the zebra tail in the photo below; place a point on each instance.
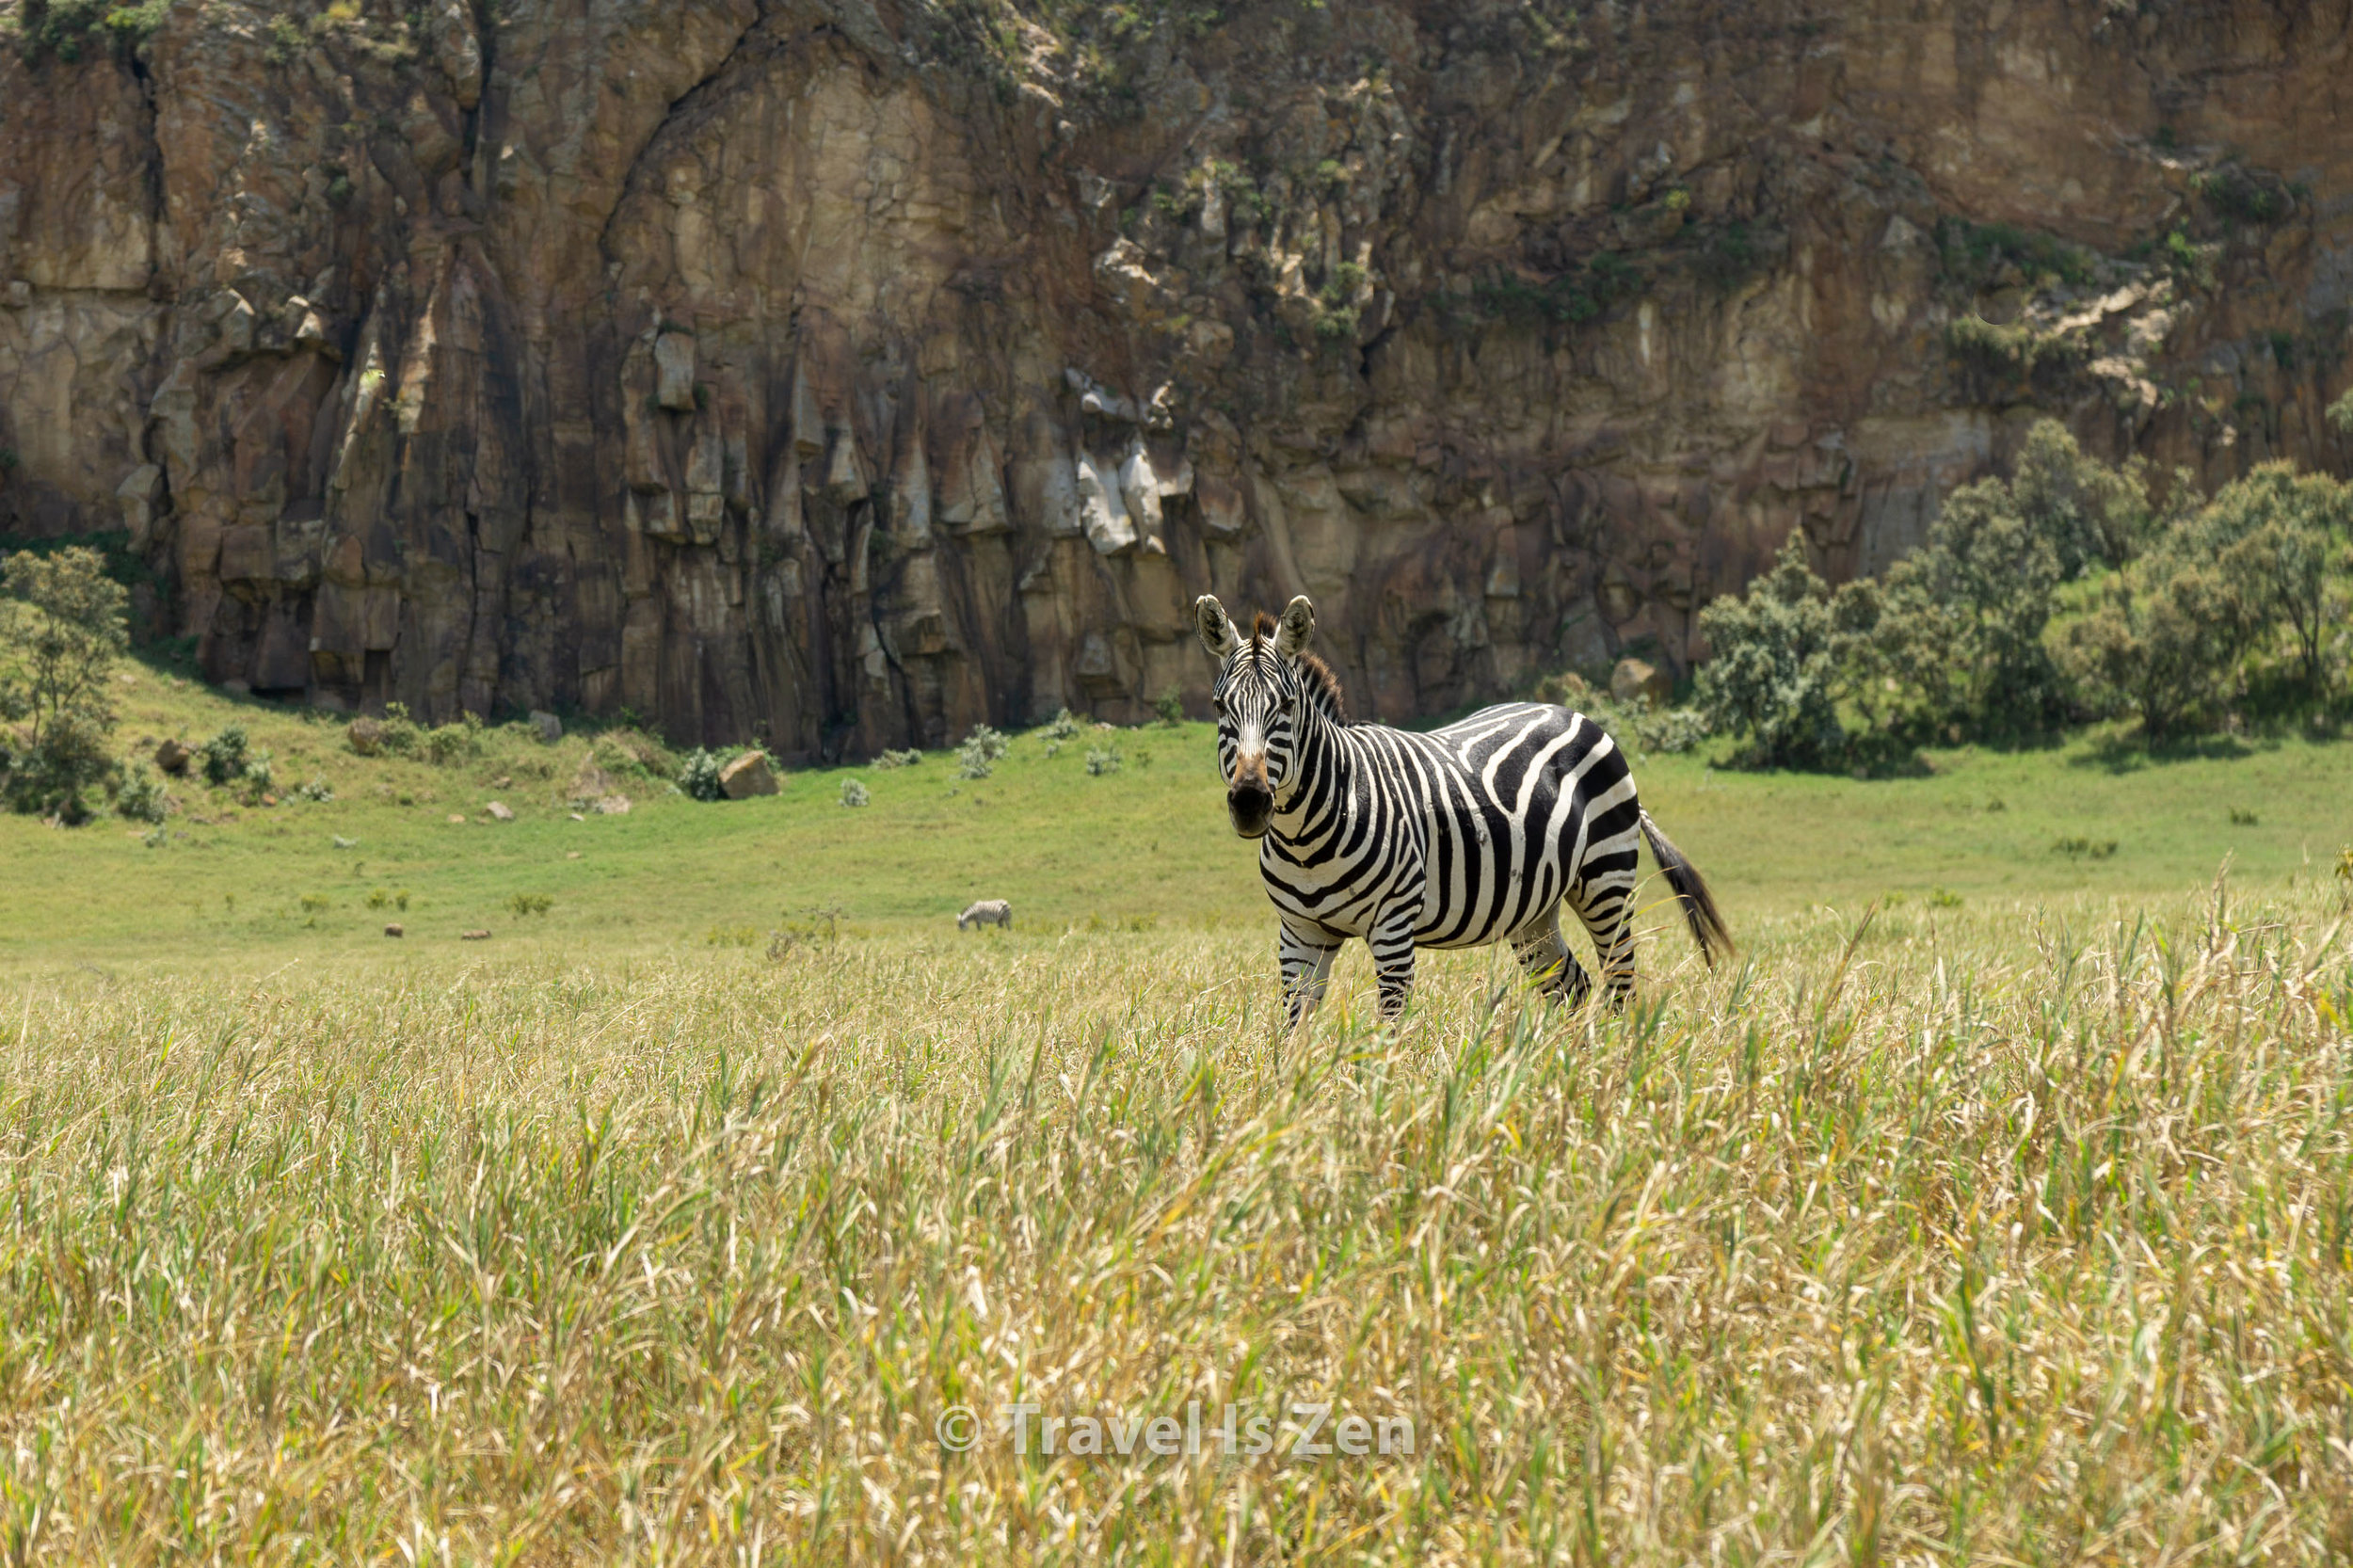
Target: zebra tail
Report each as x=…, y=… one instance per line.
x=1699, y=906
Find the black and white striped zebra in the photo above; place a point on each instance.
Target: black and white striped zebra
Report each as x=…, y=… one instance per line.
x=1467, y=834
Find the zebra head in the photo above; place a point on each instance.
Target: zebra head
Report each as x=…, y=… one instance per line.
x=1257, y=698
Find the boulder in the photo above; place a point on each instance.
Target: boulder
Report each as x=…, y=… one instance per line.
x=747, y=776
x=592, y=783
x=501, y=810
x=366, y=736
x=547, y=726
x=477, y=934
x=173, y=757
x=394, y=931
x=1635, y=680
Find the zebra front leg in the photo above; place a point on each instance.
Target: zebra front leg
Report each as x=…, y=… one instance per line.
x=1392, y=944
x=1549, y=963
x=1306, y=958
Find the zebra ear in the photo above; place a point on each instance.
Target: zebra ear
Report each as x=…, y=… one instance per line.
x=1217, y=632
x=1298, y=628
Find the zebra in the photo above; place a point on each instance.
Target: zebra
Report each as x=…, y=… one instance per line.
x=1464, y=836
x=988, y=911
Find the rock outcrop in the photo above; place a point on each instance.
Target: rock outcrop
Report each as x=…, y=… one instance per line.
x=841, y=373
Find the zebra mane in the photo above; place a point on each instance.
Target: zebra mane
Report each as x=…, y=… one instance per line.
x=1315, y=677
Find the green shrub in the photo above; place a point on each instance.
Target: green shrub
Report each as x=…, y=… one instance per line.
x=1671, y=729
x=698, y=775
x=54, y=774
x=1773, y=673
x=2244, y=195
x=907, y=758
x=981, y=750
x=141, y=797
x=449, y=744
x=1171, y=707
x=523, y=905
x=401, y=732
x=853, y=793
x=1100, y=763
x=224, y=757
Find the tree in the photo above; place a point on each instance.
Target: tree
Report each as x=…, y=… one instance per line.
x=1967, y=612
x=2166, y=641
x=2091, y=512
x=60, y=636
x=1776, y=662
x=2274, y=534
x=61, y=629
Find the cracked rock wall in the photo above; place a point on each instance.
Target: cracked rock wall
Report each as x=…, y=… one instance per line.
x=843, y=373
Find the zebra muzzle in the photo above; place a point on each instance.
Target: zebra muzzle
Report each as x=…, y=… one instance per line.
x=1250, y=803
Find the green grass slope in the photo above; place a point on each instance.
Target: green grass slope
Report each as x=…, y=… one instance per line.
x=1145, y=845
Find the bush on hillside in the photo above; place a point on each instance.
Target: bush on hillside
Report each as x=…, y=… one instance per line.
x=225, y=756
x=53, y=775
x=982, y=749
x=140, y=796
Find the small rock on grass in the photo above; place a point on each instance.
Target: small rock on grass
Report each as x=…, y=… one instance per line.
x=173, y=757
x=394, y=931
x=457, y=817
x=476, y=935
x=501, y=810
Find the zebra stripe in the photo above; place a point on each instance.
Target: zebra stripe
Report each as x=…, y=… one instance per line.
x=1463, y=836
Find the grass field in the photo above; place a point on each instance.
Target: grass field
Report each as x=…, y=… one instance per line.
x=1963, y=1238
x=1145, y=844
x=2010, y=1220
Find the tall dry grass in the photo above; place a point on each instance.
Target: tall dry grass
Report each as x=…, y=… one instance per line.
x=1989, y=1236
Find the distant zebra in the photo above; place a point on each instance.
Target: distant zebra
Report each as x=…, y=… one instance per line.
x=1463, y=836
x=988, y=911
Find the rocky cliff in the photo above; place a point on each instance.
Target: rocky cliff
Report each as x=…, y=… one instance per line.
x=846, y=372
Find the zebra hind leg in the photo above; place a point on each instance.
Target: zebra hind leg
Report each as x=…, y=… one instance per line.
x=1608, y=914
x=1306, y=970
x=1550, y=963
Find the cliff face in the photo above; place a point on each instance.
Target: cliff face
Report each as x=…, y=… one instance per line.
x=846, y=373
